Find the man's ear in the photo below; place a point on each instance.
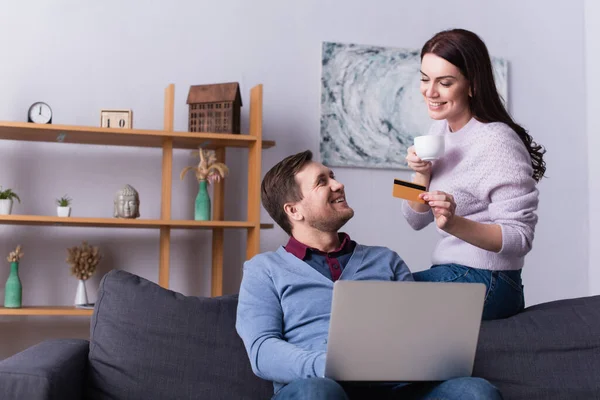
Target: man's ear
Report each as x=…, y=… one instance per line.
x=292, y=211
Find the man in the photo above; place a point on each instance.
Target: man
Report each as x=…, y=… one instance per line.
x=285, y=297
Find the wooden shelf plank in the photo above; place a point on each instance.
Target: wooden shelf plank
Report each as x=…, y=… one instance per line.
x=45, y=220
x=122, y=137
x=189, y=224
x=46, y=310
x=78, y=221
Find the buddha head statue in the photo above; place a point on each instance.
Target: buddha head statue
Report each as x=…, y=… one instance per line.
x=127, y=203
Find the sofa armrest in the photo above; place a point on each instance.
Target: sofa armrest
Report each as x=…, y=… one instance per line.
x=53, y=369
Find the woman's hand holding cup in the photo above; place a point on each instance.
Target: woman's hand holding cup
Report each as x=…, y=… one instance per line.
x=426, y=149
x=416, y=164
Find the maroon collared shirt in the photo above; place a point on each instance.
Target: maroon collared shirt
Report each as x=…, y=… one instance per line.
x=329, y=264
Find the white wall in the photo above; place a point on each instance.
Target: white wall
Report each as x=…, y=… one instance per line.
x=592, y=79
x=80, y=58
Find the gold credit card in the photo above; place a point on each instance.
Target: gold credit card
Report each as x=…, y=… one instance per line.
x=408, y=190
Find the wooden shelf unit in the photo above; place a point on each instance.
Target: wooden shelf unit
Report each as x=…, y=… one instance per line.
x=167, y=139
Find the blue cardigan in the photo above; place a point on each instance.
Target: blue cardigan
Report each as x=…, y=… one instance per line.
x=284, y=309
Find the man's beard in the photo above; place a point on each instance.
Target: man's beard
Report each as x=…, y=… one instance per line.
x=332, y=224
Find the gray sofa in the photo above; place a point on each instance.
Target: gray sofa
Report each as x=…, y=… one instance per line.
x=150, y=343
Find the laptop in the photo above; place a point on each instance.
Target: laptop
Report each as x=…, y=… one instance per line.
x=403, y=331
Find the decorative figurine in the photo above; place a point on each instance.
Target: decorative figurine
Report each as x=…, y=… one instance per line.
x=215, y=108
x=127, y=203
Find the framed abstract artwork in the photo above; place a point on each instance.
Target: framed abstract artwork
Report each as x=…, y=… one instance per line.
x=371, y=106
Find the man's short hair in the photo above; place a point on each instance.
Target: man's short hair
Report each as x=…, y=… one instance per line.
x=279, y=186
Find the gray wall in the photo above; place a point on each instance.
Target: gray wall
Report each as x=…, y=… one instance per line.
x=592, y=80
x=81, y=58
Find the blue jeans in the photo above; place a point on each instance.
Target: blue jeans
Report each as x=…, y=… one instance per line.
x=504, y=296
x=327, y=389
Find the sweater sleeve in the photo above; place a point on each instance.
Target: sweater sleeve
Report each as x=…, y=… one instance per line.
x=401, y=270
x=417, y=220
x=260, y=325
x=511, y=190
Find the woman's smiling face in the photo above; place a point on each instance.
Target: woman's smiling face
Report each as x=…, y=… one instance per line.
x=446, y=91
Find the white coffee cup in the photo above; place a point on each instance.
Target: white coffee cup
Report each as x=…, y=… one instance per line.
x=429, y=147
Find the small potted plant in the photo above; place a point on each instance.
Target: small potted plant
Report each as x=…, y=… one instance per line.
x=63, y=208
x=6, y=201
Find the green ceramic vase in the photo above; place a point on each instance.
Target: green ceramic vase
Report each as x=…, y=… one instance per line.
x=202, y=209
x=13, y=289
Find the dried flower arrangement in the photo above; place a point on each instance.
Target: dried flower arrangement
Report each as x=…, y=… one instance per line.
x=208, y=168
x=16, y=255
x=83, y=260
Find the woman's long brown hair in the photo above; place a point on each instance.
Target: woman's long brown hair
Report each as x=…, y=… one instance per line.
x=469, y=54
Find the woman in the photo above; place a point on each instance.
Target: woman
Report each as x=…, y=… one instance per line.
x=482, y=193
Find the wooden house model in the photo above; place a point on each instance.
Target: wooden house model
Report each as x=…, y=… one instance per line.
x=215, y=108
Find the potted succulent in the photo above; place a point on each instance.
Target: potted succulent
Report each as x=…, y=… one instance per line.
x=6, y=200
x=63, y=208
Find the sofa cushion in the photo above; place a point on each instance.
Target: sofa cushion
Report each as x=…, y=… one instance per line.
x=549, y=351
x=151, y=343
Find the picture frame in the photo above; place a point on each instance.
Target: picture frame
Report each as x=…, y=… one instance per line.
x=371, y=104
